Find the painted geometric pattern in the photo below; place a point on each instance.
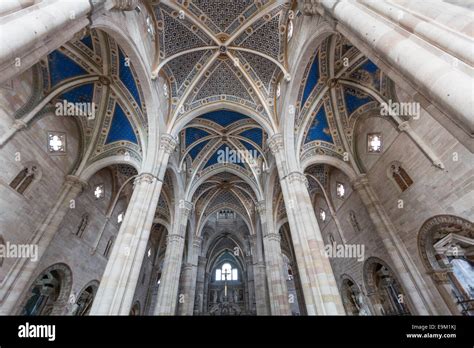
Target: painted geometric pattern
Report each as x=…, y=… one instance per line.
x=264, y=68
x=266, y=39
x=178, y=37
x=223, y=81
x=222, y=14
x=182, y=66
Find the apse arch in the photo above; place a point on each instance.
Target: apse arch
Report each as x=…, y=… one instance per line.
x=102, y=163
x=215, y=209
x=193, y=186
x=180, y=123
x=332, y=161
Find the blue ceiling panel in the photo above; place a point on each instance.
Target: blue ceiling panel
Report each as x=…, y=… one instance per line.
x=254, y=134
x=195, y=150
x=126, y=76
x=61, y=67
x=120, y=129
x=250, y=147
x=319, y=129
x=312, y=80
x=354, y=102
x=369, y=66
x=223, y=117
x=88, y=42
x=80, y=94
x=193, y=134
x=215, y=156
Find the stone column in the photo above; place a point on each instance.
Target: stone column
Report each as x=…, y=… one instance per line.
x=23, y=269
x=199, y=293
x=168, y=291
x=117, y=287
x=119, y=281
x=276, y=279
x=319, y=286
x=251, y=285
x=259, y=276
x=410, y=277
x=418, y=53
x=190, y=278
x=33, y=33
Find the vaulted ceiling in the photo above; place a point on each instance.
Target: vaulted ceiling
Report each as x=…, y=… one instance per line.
x=211, y=52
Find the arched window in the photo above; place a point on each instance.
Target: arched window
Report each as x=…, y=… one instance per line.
x=445, y=242
x=82, y=226
x=24, y=178
x=226, y=272
x=400, y=176
x=84, y=301
x=388, y=297
x=108, y=247
x=49, y=293
x=353, y=221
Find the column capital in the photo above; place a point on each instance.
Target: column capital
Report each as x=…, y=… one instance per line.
x=145, y=178
x=76, y=182
x=360, y=182
x=404, y=126
x=174, y=238
x=310, y=7
x=197, y=242
x=261, y=207
x=124, y=5
x=185, y=206
x=275, y=143
x=297, y=177
x=168, y=143
x=273, y=237
x=19, y=124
